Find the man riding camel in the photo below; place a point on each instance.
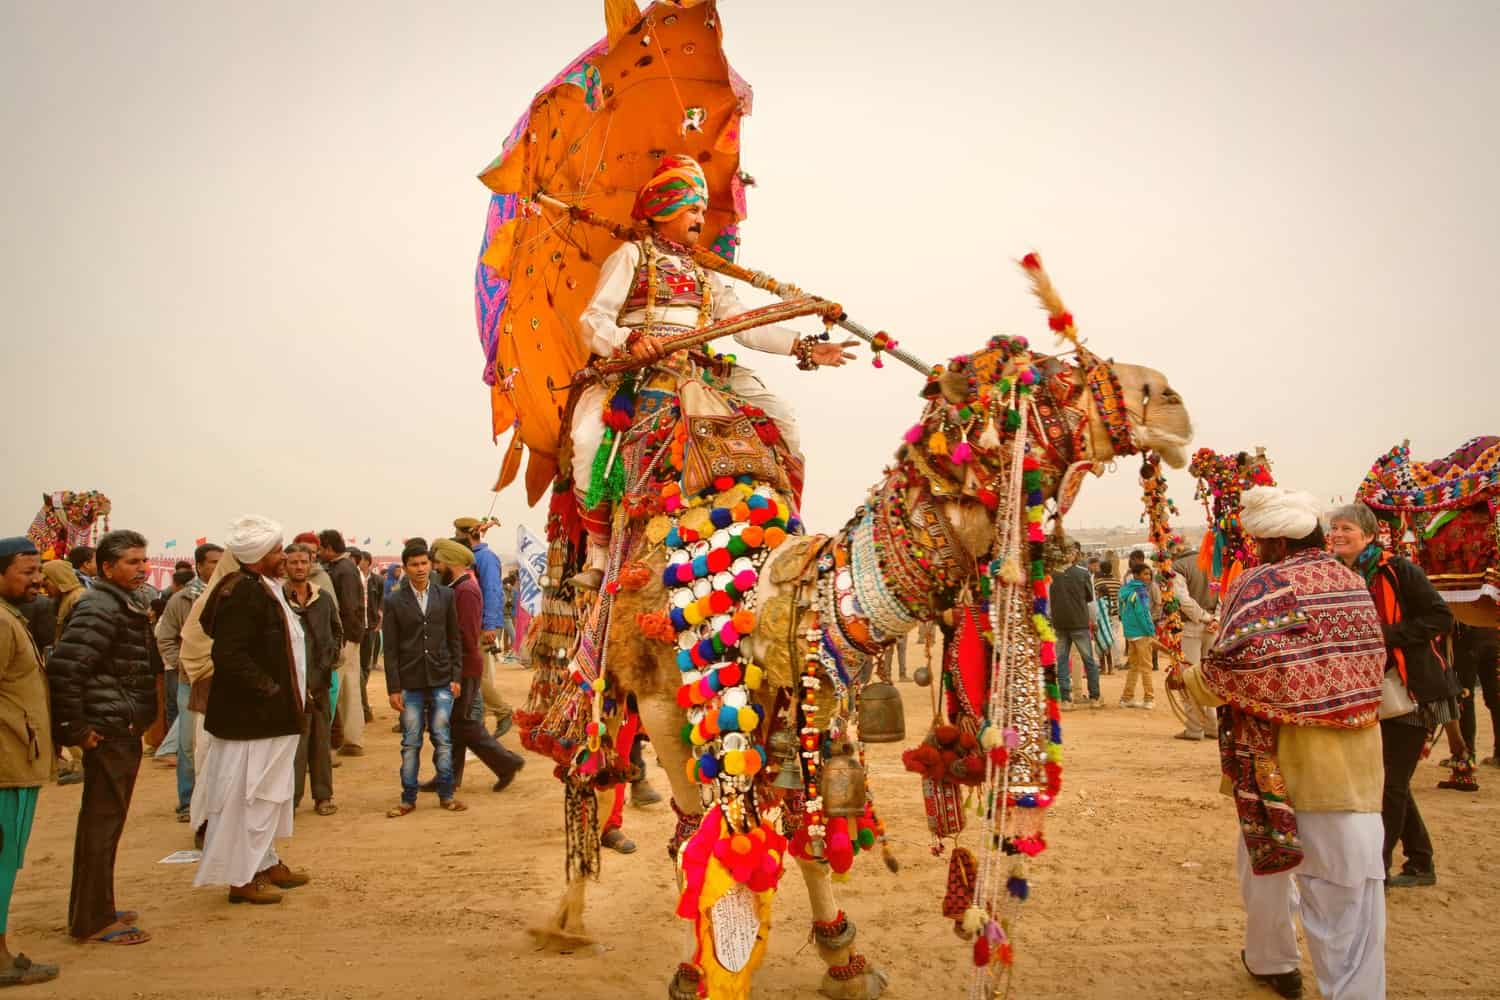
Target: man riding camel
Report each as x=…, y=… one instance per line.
x=654, y=288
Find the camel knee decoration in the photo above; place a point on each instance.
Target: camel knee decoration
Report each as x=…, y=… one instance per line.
x=67, y=520
x=732, y=632
x=1450, y=510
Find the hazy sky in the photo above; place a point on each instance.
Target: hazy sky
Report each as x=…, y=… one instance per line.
x=239, y=240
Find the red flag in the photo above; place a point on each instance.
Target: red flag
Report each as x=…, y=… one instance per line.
x=201, y=541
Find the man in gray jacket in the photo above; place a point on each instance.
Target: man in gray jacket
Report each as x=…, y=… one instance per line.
x=169, y=644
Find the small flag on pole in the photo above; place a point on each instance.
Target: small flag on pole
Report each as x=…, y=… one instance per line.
x=171, y=543
x=367, y=540
x=201, y=541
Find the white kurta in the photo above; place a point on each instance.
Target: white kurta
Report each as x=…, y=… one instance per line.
x=605, y=329
x=1339, y=890
x=243, y=788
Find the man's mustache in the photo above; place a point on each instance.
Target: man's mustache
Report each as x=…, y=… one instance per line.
x=696, y=227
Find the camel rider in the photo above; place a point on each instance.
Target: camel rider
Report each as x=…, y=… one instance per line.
x=619, y=321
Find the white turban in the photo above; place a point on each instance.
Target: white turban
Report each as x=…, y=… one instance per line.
x=1273, y=512
x=251, y=537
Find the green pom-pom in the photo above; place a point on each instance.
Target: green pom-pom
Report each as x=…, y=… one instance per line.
x=1012, y=420
x=866, y=838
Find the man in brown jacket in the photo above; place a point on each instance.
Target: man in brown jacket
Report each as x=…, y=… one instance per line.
x=26, y=761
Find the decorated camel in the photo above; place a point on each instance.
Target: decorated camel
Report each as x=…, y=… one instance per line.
x=744, y=645
x=67, y=520
x=1448, y=511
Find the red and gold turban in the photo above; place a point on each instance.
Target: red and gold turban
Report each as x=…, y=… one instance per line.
x=677, y=185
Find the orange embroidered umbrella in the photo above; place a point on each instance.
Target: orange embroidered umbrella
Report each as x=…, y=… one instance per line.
x=657, y=84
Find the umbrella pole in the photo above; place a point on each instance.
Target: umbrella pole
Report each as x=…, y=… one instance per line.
x=756, y=279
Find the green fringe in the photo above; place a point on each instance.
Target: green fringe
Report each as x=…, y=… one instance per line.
x=606, y=486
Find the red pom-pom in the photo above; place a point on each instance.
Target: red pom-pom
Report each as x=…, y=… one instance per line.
x=719, y=560
x=981, y=950
x=1031, y=262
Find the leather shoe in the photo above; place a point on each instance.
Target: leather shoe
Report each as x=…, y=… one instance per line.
x=1411, y=880
x=283, y=877
x=1286, y=984
x=257, y=891
x=351, y=750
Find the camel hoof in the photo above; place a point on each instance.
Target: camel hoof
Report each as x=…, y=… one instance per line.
x=866, y=986
x=556, y=939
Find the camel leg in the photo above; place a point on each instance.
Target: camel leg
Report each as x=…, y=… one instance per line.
x=849, y=975
x=663, y=719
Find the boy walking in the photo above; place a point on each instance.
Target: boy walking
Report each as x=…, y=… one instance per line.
x=1140, y=632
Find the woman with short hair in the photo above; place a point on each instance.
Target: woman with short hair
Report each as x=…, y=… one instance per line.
x=1413, y=615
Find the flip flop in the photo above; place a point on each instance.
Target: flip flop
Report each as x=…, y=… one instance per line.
x=454, y=806
x=123, y=936
x=24, y=972
x=127, y=916
x=325, y=808
x=396, y=812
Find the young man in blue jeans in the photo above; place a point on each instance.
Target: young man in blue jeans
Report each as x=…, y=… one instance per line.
x=423, y=666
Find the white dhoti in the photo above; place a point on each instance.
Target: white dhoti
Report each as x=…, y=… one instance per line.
x=243, y=791
x=1339, y=890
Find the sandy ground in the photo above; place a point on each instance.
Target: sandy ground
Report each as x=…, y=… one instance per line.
x=1135, y=899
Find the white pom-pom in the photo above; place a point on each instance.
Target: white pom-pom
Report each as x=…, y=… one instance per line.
x=973, y=920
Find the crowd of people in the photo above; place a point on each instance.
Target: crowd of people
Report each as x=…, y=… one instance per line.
x=249, y=676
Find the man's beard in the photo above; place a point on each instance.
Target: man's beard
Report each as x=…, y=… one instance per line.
x=446, y=577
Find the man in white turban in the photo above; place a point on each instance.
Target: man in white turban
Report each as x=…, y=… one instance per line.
x=1296, y=672
x=243, y=794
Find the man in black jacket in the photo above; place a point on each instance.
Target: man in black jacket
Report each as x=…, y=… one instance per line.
x=103, y=699
x=253, y=722
x=423, y=665
x=349, y=591
x=1072, y=595
x=325, y=637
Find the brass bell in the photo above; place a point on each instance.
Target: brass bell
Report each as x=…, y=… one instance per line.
x=882, y=717
x=843, y=785
x=784, y=751
x=922, y=677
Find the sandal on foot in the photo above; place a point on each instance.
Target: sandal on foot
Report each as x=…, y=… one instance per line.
x=396, y=812
x=325, y=808
x=616, y=840
x=127, y=916
x=24, y=972
x=124, y=936
x=453, y=806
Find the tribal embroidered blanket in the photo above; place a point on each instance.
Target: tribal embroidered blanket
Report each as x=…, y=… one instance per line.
x=1300, y=645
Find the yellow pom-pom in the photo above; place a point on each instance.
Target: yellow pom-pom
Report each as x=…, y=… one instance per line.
x=734, y=762
x=938, y=443
x=753, y=676
x=748, y=719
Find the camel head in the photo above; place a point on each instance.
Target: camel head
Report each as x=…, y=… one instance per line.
x=963, y=447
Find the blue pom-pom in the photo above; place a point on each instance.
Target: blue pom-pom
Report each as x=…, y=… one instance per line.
x=1054, y=731
x=684, y=660
x=756, y=502
x=700, y=566
x=673, y=539
x=1017, y=887
x=708, y=767
x=721, y=517
x=729, y=719
x=706, y=651
x=679, y=620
